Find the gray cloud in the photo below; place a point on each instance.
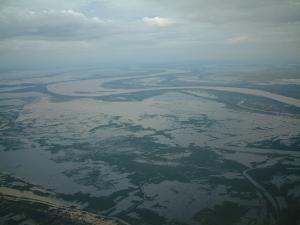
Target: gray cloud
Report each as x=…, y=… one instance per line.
x=144, y=29
x=222, y=11
x=52, y=24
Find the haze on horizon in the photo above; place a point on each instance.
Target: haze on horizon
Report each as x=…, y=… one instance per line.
x=85, y=32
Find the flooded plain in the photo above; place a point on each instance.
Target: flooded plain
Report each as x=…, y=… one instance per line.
x=164, y=147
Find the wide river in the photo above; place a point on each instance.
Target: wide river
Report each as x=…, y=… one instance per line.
x=94, y=88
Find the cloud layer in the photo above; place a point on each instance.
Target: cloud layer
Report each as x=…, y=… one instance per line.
x=150, y=29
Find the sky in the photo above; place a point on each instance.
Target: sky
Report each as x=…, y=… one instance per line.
x=95, y=32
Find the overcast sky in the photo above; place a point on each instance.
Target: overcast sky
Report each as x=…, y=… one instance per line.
x=68, y=32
